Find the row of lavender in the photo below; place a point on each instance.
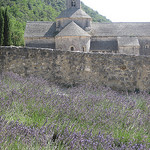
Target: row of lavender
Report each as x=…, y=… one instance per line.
x=38, y=115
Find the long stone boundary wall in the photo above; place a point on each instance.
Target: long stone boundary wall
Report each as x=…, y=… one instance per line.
x=120, y=72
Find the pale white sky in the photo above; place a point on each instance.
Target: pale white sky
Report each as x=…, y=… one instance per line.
x=122, y=10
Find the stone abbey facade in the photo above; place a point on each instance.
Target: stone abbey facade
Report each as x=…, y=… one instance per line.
x=75, y=31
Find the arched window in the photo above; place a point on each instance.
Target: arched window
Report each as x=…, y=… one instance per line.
x=72, y=48
x=146, y=46
x=73, y=3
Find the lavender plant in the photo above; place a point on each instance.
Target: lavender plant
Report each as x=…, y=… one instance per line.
x=35, y=114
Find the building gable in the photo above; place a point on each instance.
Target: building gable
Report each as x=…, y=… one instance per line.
x=72, y=29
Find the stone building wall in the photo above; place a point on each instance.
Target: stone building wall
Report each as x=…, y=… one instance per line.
x=79, y=43
x=83, y=23
x=42, y=42
x=117, y=71
x=104, y=44
x=68, y=4
x=130, y=50
x=144, y=45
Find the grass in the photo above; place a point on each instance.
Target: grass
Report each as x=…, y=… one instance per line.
x=37, y=115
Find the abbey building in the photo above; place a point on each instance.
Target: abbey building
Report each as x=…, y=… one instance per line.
x=75, y=31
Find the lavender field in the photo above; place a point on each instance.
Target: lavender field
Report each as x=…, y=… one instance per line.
x=38, y=115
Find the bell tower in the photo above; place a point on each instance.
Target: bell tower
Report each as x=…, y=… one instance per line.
x=73, y=4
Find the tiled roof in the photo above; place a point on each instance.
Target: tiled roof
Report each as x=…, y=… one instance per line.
x=128, y=41
x=73, y=13
x=120, y=29
x=40, y=29
x=47, y=29
x=72, y=29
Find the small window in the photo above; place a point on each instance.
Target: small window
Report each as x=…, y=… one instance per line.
x=57, y=24
x=73, y=3
x=87, y=23
x=72, y=48
x=84, y=49
x=146, y=46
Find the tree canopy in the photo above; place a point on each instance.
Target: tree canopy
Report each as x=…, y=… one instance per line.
x=1, y=26
x=5, y=28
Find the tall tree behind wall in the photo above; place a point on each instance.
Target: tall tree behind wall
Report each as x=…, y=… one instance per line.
x=11, y=30
x=1, y=26
x=7, y=30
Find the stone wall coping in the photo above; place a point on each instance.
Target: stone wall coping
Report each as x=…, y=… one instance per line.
x=67, y=51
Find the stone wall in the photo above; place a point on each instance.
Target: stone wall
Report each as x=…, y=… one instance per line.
x=107, y=44
x=117, y=71
x=82, y=22
x=41, y=42
x=130, y=50
x=77, y=42
x=144, y=45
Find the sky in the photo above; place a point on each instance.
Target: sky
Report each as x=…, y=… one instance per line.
x=122, y=10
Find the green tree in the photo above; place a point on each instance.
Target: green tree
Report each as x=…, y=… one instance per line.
x=7, y=29
x=17, y=36
x=1, y=26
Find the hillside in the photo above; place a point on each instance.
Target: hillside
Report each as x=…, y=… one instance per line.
x=22, y=11
x=43, y=10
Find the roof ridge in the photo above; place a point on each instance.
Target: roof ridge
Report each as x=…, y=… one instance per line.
x=73, y=13
x=40, y=22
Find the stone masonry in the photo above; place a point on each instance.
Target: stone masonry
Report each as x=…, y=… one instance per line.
x=118, y=71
